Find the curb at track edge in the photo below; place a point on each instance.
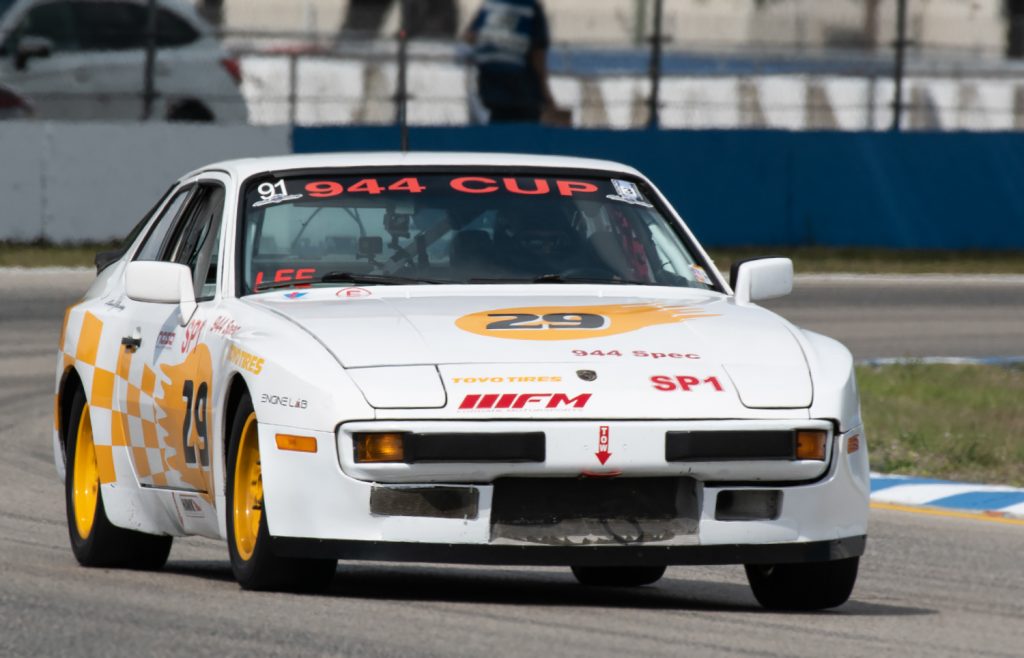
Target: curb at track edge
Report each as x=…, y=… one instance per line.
x=951, y=499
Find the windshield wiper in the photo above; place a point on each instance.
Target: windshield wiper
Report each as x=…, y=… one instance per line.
x=380, y=279
x=558, y=278
x=264, y=287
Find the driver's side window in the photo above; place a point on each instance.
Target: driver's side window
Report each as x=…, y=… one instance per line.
x=151, y=246
x=196, y=239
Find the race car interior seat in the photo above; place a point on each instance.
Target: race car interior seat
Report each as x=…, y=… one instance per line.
x=471, y=252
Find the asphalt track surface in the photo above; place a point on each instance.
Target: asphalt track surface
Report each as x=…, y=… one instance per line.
x=928, y=586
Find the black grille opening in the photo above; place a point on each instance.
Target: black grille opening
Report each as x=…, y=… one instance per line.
x=474, y=447
x=730, y=445
x=438, y=502
x=593, y=510
x=748, y=505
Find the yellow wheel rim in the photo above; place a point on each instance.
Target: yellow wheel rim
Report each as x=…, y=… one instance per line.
x=85, y=477
x=248, y=490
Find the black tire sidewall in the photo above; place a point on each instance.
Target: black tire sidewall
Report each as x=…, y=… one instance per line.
x=93, y=550
x=107, y=545
x=618, y=576
x=80, y=546
x=251, y=573
x=265, y=570
x=804, y=586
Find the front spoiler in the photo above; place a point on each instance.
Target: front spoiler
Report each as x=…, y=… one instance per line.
x=816, y=551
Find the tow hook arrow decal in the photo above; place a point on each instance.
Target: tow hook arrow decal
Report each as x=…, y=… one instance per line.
x=602, y=445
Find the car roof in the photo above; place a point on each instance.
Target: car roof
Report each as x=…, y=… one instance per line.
x=243, y=168
x=182, y=8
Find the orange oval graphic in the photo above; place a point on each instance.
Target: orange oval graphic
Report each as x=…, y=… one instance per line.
x=573, y=322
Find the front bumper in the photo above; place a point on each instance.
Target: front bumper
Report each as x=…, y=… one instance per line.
x=323, y=504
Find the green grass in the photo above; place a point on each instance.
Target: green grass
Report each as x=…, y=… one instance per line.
x=866, y=260
x=40, y=254
x=946, y=421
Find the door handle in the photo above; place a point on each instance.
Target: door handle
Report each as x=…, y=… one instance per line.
x=133, y=342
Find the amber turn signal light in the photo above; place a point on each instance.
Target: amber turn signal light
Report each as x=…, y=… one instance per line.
x=379, y=447
x=810, y=444
x=296, y=443
x=853, y=444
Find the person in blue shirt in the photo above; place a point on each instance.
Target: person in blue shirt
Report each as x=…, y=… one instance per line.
x=510, y=44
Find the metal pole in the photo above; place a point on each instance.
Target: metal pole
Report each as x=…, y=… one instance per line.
x=640, y=24
x=293, y=88
x=901, y=47
x=402, y=96
x=652, y=115
x=149, y=87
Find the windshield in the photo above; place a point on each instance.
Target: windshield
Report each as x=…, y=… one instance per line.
x=457, y=228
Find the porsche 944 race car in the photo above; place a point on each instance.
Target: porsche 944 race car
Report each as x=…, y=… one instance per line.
x=463, y=358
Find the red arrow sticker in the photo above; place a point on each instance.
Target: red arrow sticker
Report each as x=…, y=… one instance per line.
x=602, y=445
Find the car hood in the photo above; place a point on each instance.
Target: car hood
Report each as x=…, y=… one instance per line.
x=645, y=345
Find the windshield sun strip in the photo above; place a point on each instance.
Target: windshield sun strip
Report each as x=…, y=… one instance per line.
x=654, y=197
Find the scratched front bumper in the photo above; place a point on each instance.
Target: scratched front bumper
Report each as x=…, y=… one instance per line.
x=326, y=497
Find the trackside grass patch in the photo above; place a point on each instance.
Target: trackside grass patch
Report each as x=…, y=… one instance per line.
x=41, y=254
x=866, y=260
x=953, y=422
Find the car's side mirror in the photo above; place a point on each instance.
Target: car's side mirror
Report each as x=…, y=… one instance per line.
x=761, y=278
x=30, y=46
x=159, y=282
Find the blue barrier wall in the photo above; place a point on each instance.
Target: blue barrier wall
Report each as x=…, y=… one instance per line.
x=909, y=190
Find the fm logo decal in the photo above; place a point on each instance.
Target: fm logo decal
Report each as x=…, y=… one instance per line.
x=573, y=322
x=524, y=401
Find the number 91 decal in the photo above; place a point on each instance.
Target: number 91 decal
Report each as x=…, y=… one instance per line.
x=574, y=322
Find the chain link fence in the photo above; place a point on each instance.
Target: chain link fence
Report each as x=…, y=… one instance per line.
x=788, y=64
x=723, y=64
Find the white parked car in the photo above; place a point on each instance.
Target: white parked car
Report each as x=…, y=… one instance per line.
x=85, y=60
x=500, y=359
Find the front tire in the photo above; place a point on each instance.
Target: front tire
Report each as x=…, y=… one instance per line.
x=253, y=562
x=618, y=576
x=805, y=586
x=95, y=541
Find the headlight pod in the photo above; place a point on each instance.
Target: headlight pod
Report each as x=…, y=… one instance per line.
x=400, y=387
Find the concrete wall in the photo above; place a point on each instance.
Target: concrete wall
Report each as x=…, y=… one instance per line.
x=69, y=182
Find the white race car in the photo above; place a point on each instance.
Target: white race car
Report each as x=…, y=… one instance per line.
x=469, y=358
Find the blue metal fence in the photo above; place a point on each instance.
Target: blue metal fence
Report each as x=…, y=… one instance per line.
x=776, y=188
